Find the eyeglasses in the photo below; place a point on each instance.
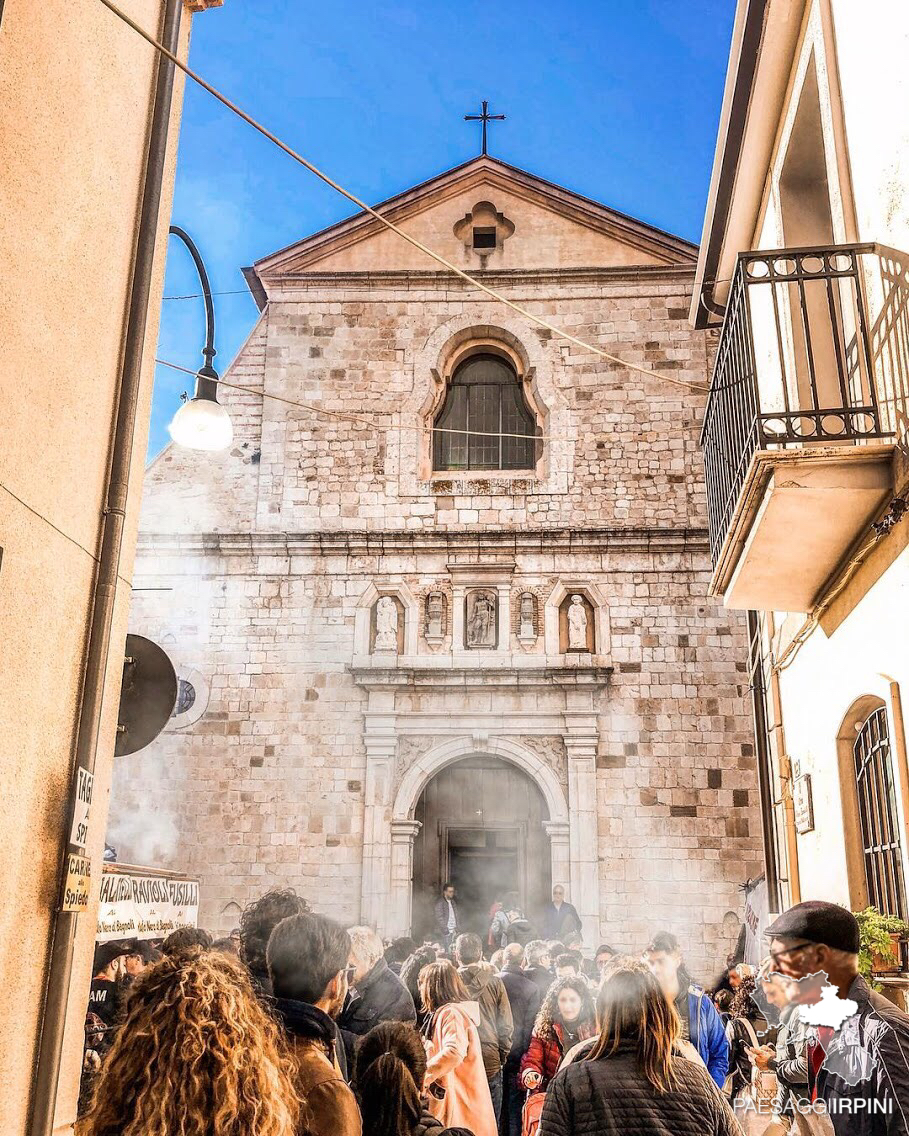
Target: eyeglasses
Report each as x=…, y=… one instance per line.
x=791, y=950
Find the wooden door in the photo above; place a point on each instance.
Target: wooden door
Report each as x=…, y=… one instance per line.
x=482, y=827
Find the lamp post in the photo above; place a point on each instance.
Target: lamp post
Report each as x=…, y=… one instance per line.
x=202, y=423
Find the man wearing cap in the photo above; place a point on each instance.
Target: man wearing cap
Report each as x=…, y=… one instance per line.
x=860, y=1069
x=106, y=992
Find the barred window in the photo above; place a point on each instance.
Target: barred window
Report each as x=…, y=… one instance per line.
x=879, y=817
x=485, y=422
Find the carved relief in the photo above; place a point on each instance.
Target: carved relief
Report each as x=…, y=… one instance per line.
x=435, y=619
x=550, y=749
x=410, y=747
x=481, y=622
x=527, y=610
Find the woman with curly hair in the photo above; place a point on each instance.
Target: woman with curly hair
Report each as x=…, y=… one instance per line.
x=745, y=1023
x=567, y=1016
x=257, y=922
x=195, y=1052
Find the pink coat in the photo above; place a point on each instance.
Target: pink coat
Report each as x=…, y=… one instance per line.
x=456, y=1062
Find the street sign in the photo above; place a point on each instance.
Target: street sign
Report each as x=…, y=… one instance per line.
x=803, y=803
x=79, y=833
x=78, y=883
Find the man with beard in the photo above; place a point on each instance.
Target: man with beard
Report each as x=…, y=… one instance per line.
x=307, y=960
x=858, y=1049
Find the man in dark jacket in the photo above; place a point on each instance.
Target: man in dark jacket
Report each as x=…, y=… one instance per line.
x=536, y=965
x=524, y=998
x=496, y=1026
x=859, y=1063
x=447, y=916
x=376, y=993
x=560, y=919
x=307, y=967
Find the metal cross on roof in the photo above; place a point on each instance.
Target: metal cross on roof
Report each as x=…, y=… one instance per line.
x=484, y=118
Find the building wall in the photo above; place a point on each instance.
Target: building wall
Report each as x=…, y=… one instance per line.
x=822, y=693
x=72, y=143
x=858, y=651
x=271, y=551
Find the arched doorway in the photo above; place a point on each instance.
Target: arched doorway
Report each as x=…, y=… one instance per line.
x=483, y=826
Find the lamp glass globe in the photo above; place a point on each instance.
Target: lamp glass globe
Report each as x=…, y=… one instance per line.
x=202, y=424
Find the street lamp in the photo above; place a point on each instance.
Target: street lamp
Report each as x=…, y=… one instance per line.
x=202, y=423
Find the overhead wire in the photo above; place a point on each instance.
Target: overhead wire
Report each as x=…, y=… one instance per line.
x=390, y=225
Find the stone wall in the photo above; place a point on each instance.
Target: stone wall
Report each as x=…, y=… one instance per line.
x=272, y=553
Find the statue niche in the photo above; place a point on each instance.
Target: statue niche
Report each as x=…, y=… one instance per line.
x=576, y=624
x=387, y=626
x=481, y=624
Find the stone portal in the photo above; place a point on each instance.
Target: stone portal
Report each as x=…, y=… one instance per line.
x=483, y=828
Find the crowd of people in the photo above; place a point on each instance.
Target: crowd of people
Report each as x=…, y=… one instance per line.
x=297, y=1026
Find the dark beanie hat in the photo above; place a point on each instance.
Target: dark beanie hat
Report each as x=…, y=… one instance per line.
x=818, y=922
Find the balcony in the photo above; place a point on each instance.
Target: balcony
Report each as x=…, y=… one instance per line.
x=806, y=418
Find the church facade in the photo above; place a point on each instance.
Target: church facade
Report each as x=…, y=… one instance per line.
x=440, y=612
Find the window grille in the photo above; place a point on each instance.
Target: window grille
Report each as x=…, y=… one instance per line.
x=485, y=401
x=878, y=816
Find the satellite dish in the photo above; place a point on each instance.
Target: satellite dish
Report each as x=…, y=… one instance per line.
x=147, y=697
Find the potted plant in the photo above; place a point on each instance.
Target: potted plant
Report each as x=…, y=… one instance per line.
x=880, y=939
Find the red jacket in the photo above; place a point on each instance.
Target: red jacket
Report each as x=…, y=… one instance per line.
x=545, y=1054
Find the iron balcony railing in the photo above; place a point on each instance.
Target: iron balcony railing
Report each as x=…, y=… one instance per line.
x=801, y=362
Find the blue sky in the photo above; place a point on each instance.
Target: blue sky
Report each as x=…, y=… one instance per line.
x=618, y=100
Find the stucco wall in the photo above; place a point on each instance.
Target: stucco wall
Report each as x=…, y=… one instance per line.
x=74, y=109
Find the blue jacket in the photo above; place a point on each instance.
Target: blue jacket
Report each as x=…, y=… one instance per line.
x=707, y=1033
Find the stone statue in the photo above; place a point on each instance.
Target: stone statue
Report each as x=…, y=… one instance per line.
x=386, y=624
x=481, y=619
x=435, y=613
x=527, y=629
x=577, y=624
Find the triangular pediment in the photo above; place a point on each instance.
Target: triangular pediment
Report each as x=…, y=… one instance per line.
x=533, y=223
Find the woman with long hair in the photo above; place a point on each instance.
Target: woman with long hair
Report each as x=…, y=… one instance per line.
x=458, y=1091
x=195, y=1052
x=566, y=1017
x=391, y=1069
x=410, y=976
x=632, y=1079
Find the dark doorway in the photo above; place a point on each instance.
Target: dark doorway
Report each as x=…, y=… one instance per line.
x=481, y=828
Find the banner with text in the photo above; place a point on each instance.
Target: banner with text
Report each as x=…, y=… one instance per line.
x=145, y=907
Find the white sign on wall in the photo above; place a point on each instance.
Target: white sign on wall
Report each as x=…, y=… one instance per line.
x=757, y=918
x=84, y=786
x=145, y=907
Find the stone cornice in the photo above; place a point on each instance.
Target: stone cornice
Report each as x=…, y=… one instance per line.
x=194, y=6
x=692, y=540
x=522, y=673
x=502, y=278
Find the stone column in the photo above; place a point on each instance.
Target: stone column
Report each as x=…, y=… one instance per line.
x=558, y=833
x=581, y=737
x=458, y=592
x=380, y=735
x=400, y=915
x=504, y=614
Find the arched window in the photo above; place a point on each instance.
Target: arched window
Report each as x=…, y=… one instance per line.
x=485, y=401
x=878, y=816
